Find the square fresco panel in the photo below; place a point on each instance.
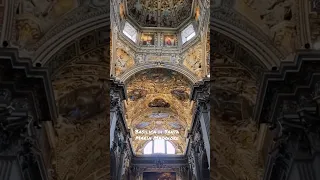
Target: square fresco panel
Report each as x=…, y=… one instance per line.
x=169, y=40
x=148, y=39
x=159, y=176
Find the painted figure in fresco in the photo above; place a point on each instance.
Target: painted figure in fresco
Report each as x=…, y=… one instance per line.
x=180, y=94
x=43, y=8
x=147, y=40
x=277, y=11
x=169, y=41
x=153, y=20
x=137, y=94
x=159, y=103
x=150, y=19
x=83, y=103
x=166, y=20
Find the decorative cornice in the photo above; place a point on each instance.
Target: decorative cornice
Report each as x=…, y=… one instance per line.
x=17, y=64
x=118, y=87
x=124, y=77
x=274, y=83
x=201, y=90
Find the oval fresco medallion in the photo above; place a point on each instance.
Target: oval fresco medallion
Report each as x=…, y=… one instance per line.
x=142, y=125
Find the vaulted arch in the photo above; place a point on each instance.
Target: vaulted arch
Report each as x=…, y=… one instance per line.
x=126, y=76
x=158, y=100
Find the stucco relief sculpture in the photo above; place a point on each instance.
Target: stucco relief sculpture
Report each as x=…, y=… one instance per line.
x=280, y=17
x=38, y=16
x=124, y=61
x=193, y=59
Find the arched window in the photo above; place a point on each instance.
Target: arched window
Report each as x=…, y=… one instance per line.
x=159, y=146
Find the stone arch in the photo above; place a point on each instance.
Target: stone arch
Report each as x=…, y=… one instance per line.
x=260, y=48
x=80, y=63
x=187, y=73
x=68, y=35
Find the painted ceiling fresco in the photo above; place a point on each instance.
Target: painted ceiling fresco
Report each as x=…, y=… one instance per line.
x=159, y=13
x=158, y=99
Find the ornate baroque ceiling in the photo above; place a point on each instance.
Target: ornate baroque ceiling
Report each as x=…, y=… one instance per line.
x=45, y=32
x=158, y=99
x=159, y=13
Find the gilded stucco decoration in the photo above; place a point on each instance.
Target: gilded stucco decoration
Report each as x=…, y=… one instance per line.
x=158, y=99
x=279, y=18
x=156, y=47
x=159, y=13
x=124, y=61
x=193, y=59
